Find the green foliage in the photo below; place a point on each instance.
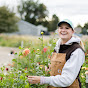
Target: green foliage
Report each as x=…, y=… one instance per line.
x=15, y=41
x=34, y=11
x=85, y=29
x=8, y=20
x=34, y=63
x=37, y=14
x=53, y=23
x=79, y=26
x=86, y=25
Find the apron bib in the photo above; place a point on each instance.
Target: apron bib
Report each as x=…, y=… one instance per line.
x=57, y=62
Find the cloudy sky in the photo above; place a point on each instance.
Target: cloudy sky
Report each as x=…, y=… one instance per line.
x=75, y=10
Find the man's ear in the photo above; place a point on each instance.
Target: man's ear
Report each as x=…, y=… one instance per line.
x=73, y=31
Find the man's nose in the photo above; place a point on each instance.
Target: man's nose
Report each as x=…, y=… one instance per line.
x=63, y=29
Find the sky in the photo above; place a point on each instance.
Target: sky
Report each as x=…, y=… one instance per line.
x=74, y=10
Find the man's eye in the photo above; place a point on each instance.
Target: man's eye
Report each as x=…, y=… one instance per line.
x=61, y=28
x=67, y=28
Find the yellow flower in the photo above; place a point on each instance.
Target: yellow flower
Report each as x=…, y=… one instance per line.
x=84, y=68
x=42, y=33
x=82, y=74
x=40, y=67
x=37, y=49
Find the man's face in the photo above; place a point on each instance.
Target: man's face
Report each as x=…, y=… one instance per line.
x=65, y=31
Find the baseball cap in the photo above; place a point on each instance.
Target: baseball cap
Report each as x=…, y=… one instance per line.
x=68, y=22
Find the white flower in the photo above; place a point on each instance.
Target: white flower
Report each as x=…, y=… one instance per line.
x=86, y=72
x=37, y=55
x=19, y=72
x=49, y=44
x=5, y=73
x=82, y=76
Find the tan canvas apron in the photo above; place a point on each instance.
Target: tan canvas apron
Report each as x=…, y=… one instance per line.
x=57, y=62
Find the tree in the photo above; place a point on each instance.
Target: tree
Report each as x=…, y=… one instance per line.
x=84, y=31
x=33, y=12
x=86, y=25
x=85, y=28
x=8, y=20
x=79, y=26
x=53, y=23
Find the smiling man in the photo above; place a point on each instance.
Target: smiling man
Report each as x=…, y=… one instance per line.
x=66, y=60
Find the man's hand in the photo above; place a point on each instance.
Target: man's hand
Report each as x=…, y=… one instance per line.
x=34, y=79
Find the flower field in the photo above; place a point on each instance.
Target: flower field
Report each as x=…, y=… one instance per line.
x=33, y=59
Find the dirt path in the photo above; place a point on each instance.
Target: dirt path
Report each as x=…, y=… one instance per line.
x=5, y=56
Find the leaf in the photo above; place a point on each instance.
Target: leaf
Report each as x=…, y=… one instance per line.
x=14, y=60
x=20, y=47
x=15, y=53
x=19, y=63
